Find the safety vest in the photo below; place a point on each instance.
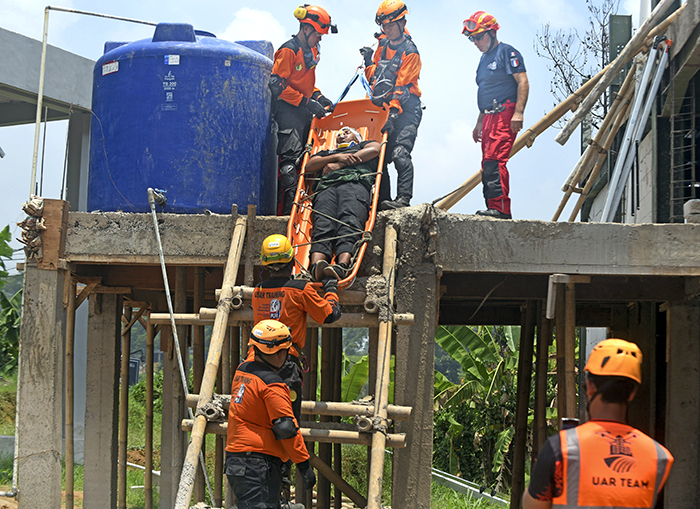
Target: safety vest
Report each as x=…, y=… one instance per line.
x=607, y=464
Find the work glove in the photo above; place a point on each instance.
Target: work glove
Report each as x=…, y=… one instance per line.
x=390, y=124
x=330, y=284
x=367, y=53
x=323, y=100
x=314, y=108
x=307, y=473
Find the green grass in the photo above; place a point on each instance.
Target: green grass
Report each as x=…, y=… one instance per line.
x=8, y=396
x=442, y=497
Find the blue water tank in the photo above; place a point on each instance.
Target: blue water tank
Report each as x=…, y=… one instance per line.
x=186, y=113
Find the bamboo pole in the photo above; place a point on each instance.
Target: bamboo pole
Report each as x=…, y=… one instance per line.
x=124, y=412
x=325, y=451
x=527, y=340
x=322, y=436
x=250, y=252
x=570, y=349
x=310, y=397
x=569, y=104
x=148, y=474
x=539, y=428
x=349, y=297
x=70, y=391
x=602, y=155
x=630, y=49
x=374, y=482
x=337, y=480
x=337, y=396
x=184, y=493
x=559, y=324
x=207, y=316
x=584, y=164
x=336, y=409
x=198, y=370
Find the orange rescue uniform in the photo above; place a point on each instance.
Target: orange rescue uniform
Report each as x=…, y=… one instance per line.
x=259, y=397
x=601, y=464
x=289, y=301
x=289, y=65
x=407, y=75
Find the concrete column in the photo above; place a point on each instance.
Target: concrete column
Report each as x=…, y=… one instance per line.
x=683, y=403
x=40, y=429
x=417, y=291
x=642, y=332
x=101, y=406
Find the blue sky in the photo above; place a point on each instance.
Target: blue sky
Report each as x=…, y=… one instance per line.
x=445, y=154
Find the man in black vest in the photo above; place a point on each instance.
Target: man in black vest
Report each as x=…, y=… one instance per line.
x=393, y=72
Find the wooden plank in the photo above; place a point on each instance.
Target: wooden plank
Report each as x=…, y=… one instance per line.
x=53, y=239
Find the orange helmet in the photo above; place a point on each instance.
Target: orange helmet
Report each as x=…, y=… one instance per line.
x=270, y=336
x=479, y=22
x=390, y=10
x=616, y=357
x=315, y=16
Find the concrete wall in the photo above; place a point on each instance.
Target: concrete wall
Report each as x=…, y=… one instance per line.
x=644, y=210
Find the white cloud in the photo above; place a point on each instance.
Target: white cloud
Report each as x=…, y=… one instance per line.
x=253, y=24
x=558, y=13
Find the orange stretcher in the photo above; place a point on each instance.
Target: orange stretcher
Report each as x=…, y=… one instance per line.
x=369, y=120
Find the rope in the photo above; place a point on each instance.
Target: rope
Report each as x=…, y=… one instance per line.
x=183, y=376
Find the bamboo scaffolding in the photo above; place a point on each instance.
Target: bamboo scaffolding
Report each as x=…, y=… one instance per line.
x=571, y=103
x=544, y=337
x=148, y=474
x=245, y=294
x=320, y=435
x=325, y=451
x=124, y=412
x=198, y=369
x=627, y=53
x=379, y=439
x=602, y=155
x=395, y=412
x=584, y=165
x=184, y=493
x=207, y=316
x=570, y=349
x=70, y=391
x=337, y=480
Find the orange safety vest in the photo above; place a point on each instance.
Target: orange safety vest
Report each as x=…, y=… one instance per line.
x=608, y=464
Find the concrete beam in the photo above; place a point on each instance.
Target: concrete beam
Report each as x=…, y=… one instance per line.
x=101, y=405
x=40, y=428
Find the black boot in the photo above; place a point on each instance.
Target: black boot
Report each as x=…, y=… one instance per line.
x=338, y=271
x=398, y=203
x=496, y=214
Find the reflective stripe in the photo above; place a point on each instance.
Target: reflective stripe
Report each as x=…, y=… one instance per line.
x=573, y=467
x=661, y=463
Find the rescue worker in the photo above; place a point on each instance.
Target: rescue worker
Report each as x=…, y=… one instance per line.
x=501, y=97
x=295, y=98
x=342, y=199
x=393, y=72
x=262, y=430
x=604, y=462
x=290, y=301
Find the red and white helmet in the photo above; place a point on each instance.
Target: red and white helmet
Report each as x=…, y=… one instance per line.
x=479, y=22
x=315, y=16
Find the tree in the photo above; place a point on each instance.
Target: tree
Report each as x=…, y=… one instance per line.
x=573, y=58
x=10, y=312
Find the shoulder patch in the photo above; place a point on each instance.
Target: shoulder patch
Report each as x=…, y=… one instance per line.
x=514, y=62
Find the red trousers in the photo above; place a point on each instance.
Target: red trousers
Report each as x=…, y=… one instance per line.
x=496, y=143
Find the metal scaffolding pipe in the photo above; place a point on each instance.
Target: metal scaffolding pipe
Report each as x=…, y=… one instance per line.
x=207, y=316
x=348, y=297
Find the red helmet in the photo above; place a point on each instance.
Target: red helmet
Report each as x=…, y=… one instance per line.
x=315, y=16
x=479, y=22
x=390, y=10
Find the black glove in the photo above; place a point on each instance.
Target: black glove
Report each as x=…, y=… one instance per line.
x=367, y=53
x=323, y=100
x=390, y=124
x=315, y=108
x=330, y=284
x=307, y=473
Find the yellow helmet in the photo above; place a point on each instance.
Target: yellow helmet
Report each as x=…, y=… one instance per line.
x=390, y=10
x=616, y=357
x=270, y=336
x=276, y=249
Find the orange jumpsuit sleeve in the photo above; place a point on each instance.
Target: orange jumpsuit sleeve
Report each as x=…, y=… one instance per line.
x=283, y=67
x=316, y=306
x=279, y=405
x=408, y=75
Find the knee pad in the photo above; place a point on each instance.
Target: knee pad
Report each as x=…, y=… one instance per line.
x=401, y=156
x=289, y=145
x=288, y=176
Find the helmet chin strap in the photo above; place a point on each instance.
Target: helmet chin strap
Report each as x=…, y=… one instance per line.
x=492, y=36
